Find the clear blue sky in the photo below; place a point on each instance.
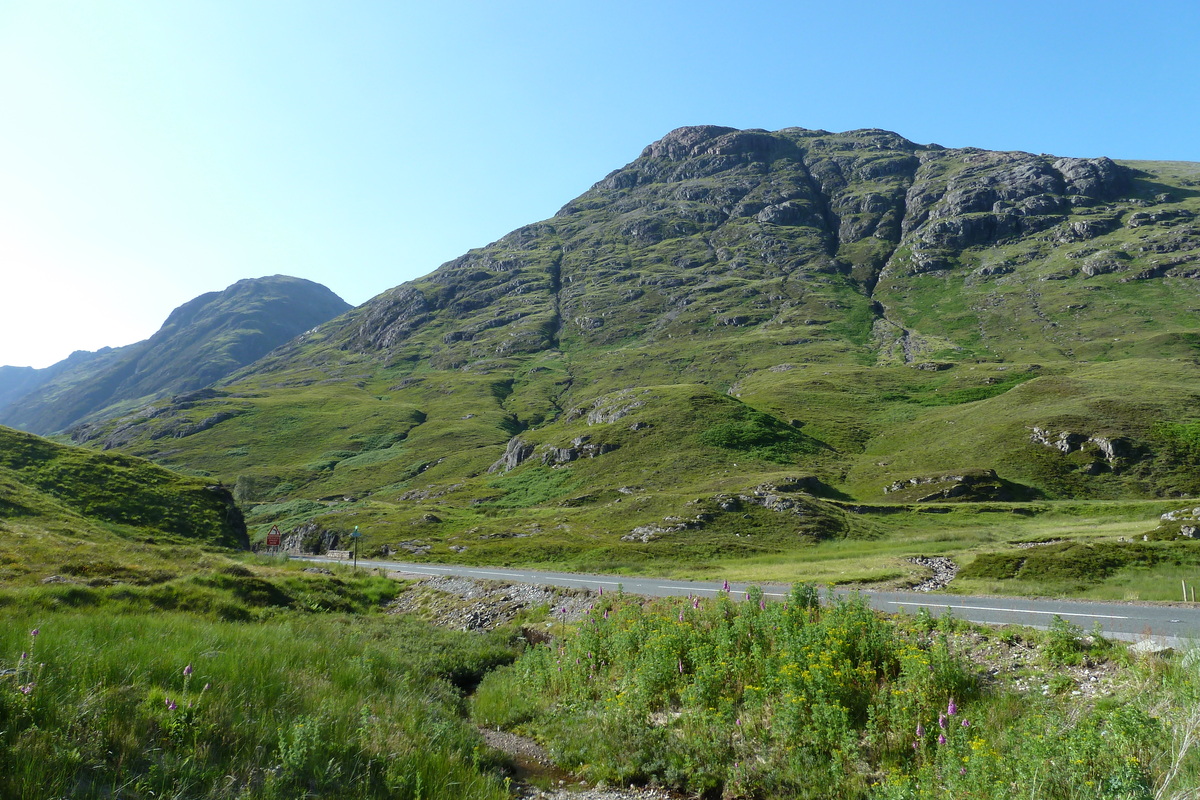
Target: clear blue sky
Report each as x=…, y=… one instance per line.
x=153, y=151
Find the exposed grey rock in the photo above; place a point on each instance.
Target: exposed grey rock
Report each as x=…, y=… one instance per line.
x=515, y=453
x=995, y=269
x=974, y=484
x=1149, y=647
x=1081, y=230
x=181, y=429
x=1181, y=514
x=1094, y=178
x=942, y=569
x=581, y=447
x=310, y=537
x=1105, y=262
x=1111, y=449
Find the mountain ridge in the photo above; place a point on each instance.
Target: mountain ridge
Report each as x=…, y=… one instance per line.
x=200, y=342
x=732, y=312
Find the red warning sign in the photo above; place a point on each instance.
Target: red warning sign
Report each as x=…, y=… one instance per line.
x=274, y=538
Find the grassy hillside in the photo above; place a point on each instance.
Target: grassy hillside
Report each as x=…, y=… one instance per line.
x=733, y=348
x=99, y=518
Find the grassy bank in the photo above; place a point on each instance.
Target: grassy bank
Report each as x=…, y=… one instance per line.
x=729, y=699
x=109, y=698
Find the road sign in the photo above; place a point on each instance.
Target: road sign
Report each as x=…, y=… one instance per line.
x=356, y=534
x=274, y=538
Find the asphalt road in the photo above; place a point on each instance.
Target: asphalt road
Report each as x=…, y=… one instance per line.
x=1128, y=621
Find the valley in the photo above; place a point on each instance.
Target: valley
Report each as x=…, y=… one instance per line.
x=796, y=357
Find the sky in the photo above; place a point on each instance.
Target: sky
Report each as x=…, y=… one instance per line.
x=152, y=152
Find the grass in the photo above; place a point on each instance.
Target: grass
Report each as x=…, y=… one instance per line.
x=715, y=352
x=718, y=698
x=116, y=698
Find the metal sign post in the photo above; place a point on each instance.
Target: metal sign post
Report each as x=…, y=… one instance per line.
x=356, y=536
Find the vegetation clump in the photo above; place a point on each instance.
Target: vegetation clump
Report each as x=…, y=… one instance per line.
x=740, y=698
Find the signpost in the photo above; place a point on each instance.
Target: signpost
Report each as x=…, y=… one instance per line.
x=356, y=536
x=274, y=538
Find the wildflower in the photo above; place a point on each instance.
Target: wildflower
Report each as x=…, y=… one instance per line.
x=695, y=602
x=26, y=689
x=24, y=656
x=602, y=591
x=952, y=709
x=965, y=724
x=34, y=632
x=962, y=770
x=916, y=745
x=941, y=738
x=942, y=721
x=681, y=615
x=762, y=604
x=606, y=613
x=920, y=730
x=171, y=706
x=725, y=587
x=205, y=689
x=187, y=671
x=681, y=666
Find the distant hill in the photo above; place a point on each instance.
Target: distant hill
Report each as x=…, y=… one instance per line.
x=739, y=340
x=201, y=342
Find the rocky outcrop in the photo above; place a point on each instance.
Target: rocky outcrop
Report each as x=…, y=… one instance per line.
x=1184, y=522
x=180, y=429
x=515, y=454
x=310, y=537
x=610, y=408
x=672, y=524
x=980, y=484
x=772, y=496
x=1112, y=450
x=581, y=447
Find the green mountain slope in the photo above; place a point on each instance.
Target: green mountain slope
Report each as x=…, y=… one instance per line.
x=202, y=341
x=73, y=511
x=740, y=332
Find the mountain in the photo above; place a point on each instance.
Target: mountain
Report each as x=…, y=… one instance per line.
x=202, y=341
x=739, y=343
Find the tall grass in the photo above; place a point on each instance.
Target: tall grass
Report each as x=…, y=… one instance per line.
x=736, y=698
x=172, y=705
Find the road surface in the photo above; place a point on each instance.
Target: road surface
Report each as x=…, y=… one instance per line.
x=1171, y=624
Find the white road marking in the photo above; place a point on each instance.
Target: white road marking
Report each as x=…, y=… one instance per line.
x=1010, y=610
x=702, y=589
